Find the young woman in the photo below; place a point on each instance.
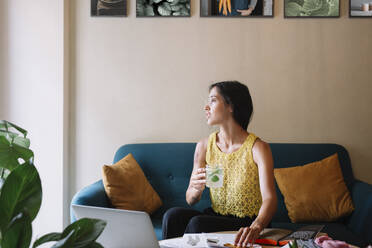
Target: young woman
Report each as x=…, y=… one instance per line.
x=247, y=200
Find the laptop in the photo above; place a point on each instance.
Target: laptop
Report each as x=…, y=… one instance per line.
x=124, y=229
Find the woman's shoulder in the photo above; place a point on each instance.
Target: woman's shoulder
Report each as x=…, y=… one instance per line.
x=260, y=148
x=203, y=143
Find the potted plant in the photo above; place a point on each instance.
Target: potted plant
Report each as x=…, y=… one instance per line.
x=21, y=195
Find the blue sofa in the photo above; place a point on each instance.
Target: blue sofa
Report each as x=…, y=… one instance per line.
x=168, y=166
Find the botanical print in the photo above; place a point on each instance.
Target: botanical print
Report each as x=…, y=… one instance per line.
x=312, y=8
x=163, y=7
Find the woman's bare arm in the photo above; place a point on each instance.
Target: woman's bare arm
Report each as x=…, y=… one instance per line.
x=263, y=158
x=197, y=179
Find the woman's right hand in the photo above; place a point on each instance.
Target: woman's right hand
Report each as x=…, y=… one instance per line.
x=198, y=180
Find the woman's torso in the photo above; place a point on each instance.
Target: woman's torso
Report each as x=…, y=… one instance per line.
x=240, y=194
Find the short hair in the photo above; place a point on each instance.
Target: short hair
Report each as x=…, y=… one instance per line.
x=238, y=97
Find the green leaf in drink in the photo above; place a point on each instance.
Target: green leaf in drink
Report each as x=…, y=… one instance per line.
x=215, y=178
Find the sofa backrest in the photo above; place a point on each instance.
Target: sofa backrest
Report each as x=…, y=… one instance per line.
x=168, y=167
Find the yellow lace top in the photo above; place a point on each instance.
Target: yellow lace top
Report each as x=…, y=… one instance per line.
x=240, y=194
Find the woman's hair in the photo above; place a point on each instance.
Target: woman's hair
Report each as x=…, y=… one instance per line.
x=238, y=97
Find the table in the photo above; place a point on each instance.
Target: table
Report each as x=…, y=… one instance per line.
x=163, y=242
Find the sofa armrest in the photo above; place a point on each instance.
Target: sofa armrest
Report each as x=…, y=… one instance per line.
x=91, y=195
x=360, y=221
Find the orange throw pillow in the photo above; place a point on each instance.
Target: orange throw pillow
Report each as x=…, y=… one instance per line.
x=127, y=187
x=315, y=191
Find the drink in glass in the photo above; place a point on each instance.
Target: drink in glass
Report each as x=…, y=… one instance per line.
x=214, y=176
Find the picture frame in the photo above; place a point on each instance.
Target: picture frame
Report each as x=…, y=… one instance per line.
x=215, y=8
x=108, y=8
x=163, y=8
x=311, y=8
x=360, y=8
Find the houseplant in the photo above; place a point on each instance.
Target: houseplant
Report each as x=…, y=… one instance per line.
x=21, y=195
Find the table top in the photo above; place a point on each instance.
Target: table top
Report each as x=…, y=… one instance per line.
x=163, y=242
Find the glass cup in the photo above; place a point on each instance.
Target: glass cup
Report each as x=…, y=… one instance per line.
x=214, y=176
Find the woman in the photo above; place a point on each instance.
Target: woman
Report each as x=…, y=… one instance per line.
x=247, y=200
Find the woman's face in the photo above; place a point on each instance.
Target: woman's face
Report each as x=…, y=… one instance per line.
x=216, y=110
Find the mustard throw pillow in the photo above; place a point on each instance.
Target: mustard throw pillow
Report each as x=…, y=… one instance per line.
x=315, y=191
x=127, y=187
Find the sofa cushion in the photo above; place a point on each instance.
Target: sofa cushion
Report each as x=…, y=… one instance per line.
x=336, y=231
x=289, y=155
x=315, y=192
x=128, y=188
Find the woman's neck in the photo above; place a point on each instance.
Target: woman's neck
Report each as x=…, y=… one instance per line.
x=232, y=134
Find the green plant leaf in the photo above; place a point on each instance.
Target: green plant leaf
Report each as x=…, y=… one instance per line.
x=165, y=9
x=67, y=241
x=87, y=229
x=149, y=10
x=312, y=5
x=21, y=192
x=47, y=238
x=292, y=9
x=322, y=10
x=334, y=8
x=19, y=232
x=21, y=141
x=6, y=125
x=11, y=152
x=95, y=245
x=175, y=7
x=215, y=178
x=82, y=233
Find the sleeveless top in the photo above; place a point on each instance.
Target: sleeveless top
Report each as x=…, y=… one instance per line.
x=240, y=194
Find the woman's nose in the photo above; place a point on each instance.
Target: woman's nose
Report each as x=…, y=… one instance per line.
x=206, y=107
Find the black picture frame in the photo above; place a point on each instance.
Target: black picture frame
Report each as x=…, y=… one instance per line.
x=185, y=4
x=215, y=10
x=353, y=9
x=310, y=17
x=108, y=8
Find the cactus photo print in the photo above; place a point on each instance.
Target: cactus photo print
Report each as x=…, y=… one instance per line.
x=236, y=8
x=108, y=7
x=311, y=8
x=166, y=8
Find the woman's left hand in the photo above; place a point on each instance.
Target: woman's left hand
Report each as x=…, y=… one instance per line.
x=245, y=12
x=248, y=235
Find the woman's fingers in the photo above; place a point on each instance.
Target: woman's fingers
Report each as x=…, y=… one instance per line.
x=251, y=237
x=243, y=236
x=238, y=235
x=198, y=176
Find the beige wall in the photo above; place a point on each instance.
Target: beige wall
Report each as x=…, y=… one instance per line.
x=145, y=80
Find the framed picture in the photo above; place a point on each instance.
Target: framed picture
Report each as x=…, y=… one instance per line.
x=163, y=8
x=312, y=8
x=108, y=7
x=236, y=8
x=360, y=8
